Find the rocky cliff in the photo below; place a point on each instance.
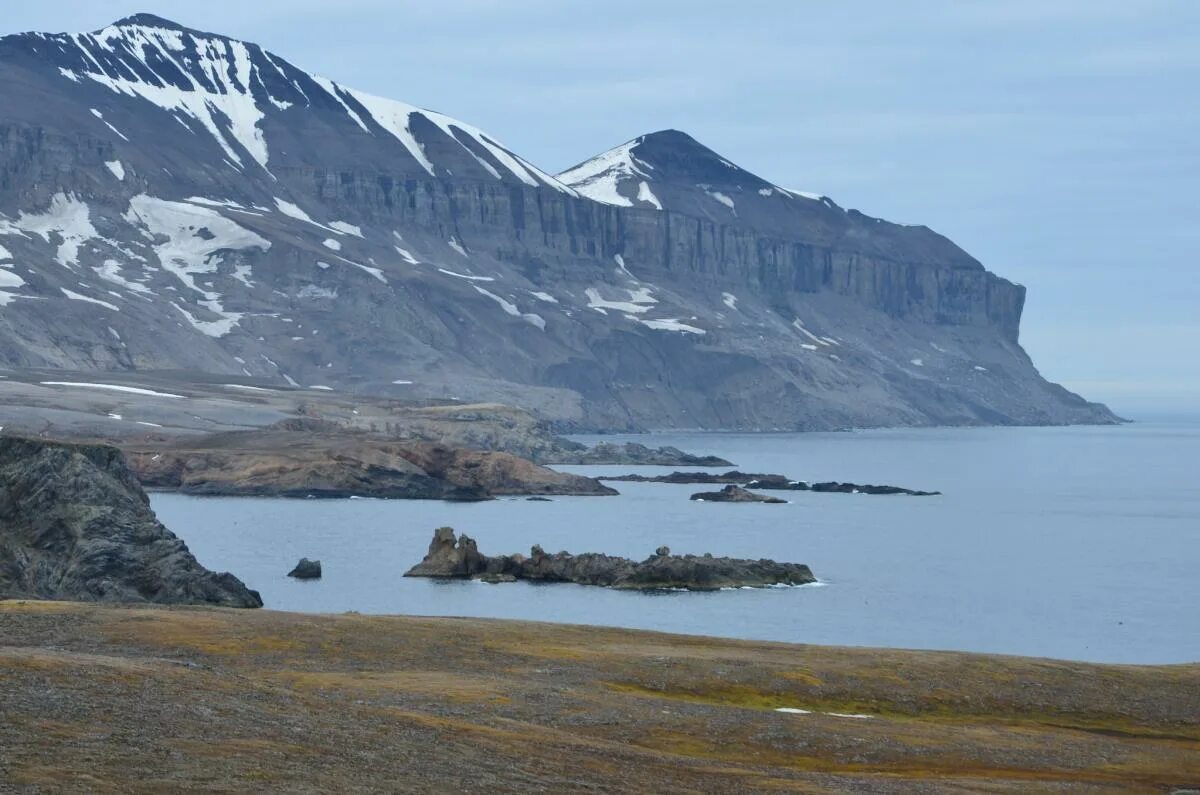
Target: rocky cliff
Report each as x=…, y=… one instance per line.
x=76, y=526
x=172, y=199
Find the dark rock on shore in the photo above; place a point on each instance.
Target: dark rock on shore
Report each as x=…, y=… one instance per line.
x=732, y=493
x=635, y=454
x=857, y=488
x=75, y=525
x=454, y=557
x=770, y=482
x=306, y=570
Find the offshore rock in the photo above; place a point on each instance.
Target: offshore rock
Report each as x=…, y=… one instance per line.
x=459, y=558
x=732, y=493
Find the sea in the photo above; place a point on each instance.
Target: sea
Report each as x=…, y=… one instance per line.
x=1079, y=542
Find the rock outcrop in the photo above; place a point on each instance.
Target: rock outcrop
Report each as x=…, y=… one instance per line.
x=732, y=493
x=634, y=454
x=280, y=462
x=75, y=525
x=306, y=570
x=452, y=557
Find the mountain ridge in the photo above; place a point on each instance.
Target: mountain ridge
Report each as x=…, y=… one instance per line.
x=176, y=200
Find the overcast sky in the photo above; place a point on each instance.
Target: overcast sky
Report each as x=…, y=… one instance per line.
x=1058, y=141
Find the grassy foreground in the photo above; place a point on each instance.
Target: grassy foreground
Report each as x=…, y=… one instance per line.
x=99, y=698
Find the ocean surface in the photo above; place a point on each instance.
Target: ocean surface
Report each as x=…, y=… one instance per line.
x=1079, y=543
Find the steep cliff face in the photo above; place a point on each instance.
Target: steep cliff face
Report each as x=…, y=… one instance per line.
x=76, y=526
x=171, y=199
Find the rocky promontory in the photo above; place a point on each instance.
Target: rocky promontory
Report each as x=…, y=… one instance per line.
x=452, y=557
x=634, y=454
x=75, y=525
x=306, y=458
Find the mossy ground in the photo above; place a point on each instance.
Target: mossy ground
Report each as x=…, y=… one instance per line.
x=154, y=699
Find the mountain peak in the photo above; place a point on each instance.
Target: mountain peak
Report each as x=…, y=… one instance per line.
x=667, y=164
x=147, y=20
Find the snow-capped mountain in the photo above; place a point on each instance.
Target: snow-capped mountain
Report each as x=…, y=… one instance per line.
x=172, y=199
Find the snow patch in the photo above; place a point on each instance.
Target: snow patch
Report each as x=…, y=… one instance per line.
x=74, y=296
x=466, y=276
x=730, y=300
x=117, y=169
x=346, y=229
x=132, y=390
x=671, y=325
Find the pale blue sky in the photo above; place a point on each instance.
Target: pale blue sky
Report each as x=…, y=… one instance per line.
x=1056, y=140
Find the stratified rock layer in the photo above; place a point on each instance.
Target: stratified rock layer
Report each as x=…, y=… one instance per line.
x=450, y=557
x=75, y=525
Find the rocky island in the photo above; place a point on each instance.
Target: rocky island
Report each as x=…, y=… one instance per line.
x=75, y=525
x=452, y=557
x=752, y=480
x=732, y=493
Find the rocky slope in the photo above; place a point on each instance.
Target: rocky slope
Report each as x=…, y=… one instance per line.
x=75, y=525
x=171, y=199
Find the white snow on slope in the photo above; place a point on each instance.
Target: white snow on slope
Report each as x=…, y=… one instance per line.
x=229, y=114
x=332, y=245
x=187, y=255
x=599, y=177
x=647, y=195
x=511, y=309
x=117, y=169
x=132, y=390
x=74, y=296
x=799, y=326
x=346, y=229
x=639, y=301
x=730, y=300
x=5, y=253
x=466, y=276
x=720, y=197
x=671, y=325
x=454, y=244
x=67, y=216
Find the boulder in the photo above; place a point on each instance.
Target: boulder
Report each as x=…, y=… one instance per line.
x=306, y=570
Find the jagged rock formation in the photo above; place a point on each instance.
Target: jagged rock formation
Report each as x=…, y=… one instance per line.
x=460, y=558
x=172, y=199
x=732, y=493
x=75, y=525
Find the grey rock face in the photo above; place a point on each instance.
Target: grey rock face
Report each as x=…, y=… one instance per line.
x=75, y=525
x=171, y=199
x=459, y=558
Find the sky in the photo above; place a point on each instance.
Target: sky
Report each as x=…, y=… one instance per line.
x=1057, y=141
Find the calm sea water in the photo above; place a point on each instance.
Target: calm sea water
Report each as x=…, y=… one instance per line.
x=1079, y=543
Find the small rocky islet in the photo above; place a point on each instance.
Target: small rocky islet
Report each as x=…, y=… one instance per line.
x=766, y=482
x=458, y=557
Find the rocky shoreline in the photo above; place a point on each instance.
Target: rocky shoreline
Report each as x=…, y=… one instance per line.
x=75, y=525
x=452, y=557
x=309, y=458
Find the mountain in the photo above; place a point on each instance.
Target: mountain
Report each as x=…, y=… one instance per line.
x=179, y=200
